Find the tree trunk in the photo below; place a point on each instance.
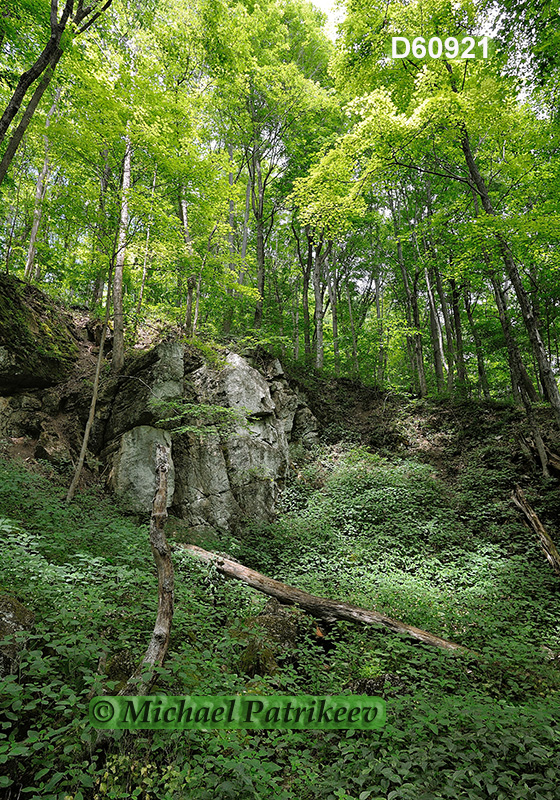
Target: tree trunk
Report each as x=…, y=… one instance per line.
x=191, y=280
x=258, y=210
x=546, y=543
x=381, y=356
x=413, y=319
x=306, y=264
x=159, y=642
x=328, y=610
x=518, y=378
x=118, y=311
x=295, y=320
x=40, y=192
x=80, y=465
x=355, y=362
x=462, y=381
x=448, y=331
x=319, y=313
x=81, y=18
x=482, y=376
x=539, y=350
x=146, y=253
x=437, y=341
x=333, y=281
x=137, y=684
x=19, y=132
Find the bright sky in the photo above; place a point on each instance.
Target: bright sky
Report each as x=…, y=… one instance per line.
x=327, y=7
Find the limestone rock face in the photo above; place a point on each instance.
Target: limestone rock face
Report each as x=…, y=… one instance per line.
x=237, y=476
x=217, y=480
x=133, y=476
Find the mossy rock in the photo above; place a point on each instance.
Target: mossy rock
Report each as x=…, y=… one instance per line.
x=14, y=617
x=276, y=632
x=37, y=347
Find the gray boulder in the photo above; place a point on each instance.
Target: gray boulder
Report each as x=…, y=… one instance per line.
x=133, y=474
x=218, y=479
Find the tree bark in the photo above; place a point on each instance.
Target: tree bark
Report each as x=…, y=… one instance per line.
x=191, y=280
x=462, y=381
x=137, y=684
x=159, y=642
x=333, y=295
x=517, y=375
x=355, y=362
x=482, y=376
x=80, y=465
x=146, y=254
x=448, y=330
x=322, y=607
x=40, y=192
x=118, y=311
x=546, y=543
x=81, y=18
x=527, y=311
x=437, y=340
x=19, y=132
x=258, y=210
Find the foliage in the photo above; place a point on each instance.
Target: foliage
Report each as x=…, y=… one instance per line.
x=456, y=725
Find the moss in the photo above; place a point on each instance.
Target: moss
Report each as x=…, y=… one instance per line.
x=35, y=332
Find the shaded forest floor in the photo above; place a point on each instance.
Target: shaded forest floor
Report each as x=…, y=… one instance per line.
x=404, y=506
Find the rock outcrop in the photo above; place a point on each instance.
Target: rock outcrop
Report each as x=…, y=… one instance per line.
x=218, y=479
x=37, y=342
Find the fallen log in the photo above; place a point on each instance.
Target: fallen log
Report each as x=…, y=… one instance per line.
x=547, y=545
x=321, y=607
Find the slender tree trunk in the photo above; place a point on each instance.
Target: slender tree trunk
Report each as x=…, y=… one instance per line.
x=413, y=312
x=413, y=318
x=197, y=304
x=329, y=610
x=15, y=212
x=91, y=417
x=260, y=273
x=531, y=323
x=448, y=330
x=381, y=356
x=462, y=380
x=245, y=231
x=146, y=253
x=258, y=210
x=437, y=341
x=306, y=263
x=191, y=280
x=104, y=176
x=517, y=374
x=295, y=320
x=118, y=311
x=229, y=308
x=19, y=132
x=546, y=543
x=332, y=282
x=319, y=313
x=159, y=642
x=353, y=334
x=482, y=376
x=40, y=192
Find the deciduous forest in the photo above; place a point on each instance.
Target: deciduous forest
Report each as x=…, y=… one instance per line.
x=279, y=400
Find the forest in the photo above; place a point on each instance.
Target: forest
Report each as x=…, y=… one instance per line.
x=280, y=300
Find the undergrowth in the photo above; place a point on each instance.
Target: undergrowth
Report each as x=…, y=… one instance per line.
x=380, y=533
